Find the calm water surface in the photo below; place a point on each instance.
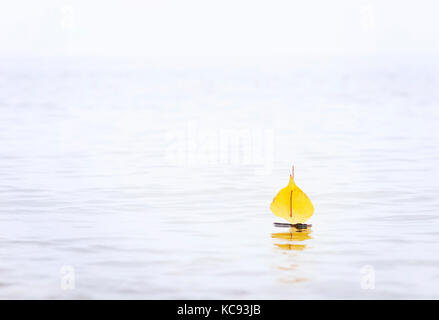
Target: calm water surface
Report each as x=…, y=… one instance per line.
x=116, y=170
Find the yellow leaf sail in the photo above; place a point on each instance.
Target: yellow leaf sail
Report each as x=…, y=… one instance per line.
x=292, y=204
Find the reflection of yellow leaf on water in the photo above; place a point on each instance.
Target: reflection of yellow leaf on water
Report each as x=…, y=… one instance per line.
x=289, y=268
x=292, y=204
x=293, y=280
x=288, y=246
x=293, y=235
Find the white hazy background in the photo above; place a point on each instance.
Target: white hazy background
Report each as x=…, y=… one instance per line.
x=217, y=28
x=141, y=144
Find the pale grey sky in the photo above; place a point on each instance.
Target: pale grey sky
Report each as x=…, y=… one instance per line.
x=216, y=28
